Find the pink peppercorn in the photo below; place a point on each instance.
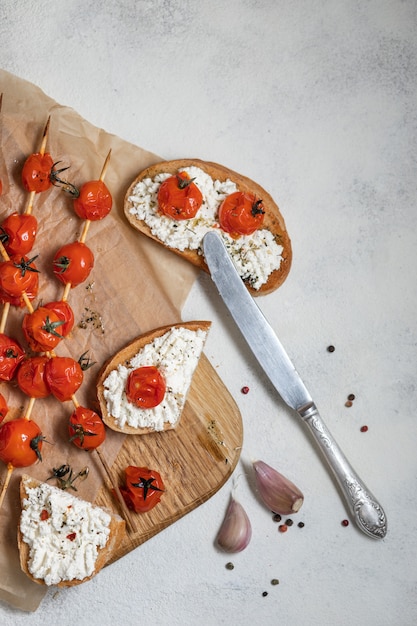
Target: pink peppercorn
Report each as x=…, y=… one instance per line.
x=345, y=522
x=283, y=528
x=364, y=429
x=245, y=390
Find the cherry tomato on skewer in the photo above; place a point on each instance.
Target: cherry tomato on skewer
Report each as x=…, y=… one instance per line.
x=179, y=197
x=241, y=213
x=36, y=172
x=11, y=355
x=86, y=429
x=64, y=376
x=18, y=233
x=31, y=377
x=39, y=174
x=3, y=407
x=73, y=263
x=143, y=488
x=20, y=442
x=65, y=313
x=94, y=201
x=17, y=276
x=42, y=329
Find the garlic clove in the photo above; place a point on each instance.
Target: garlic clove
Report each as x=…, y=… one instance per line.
x=235, y=531
x=278, y=493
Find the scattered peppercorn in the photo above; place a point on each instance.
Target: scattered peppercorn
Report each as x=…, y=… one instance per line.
x=331, y=349
x=300, y=524
x=275, y=581
x=277, y=517
x=364, y=429
x=245, y=390
x=283, y=528
x=289, y=522
x=351, y=397
x=264, y=593
x=230, y=566
x=345, y=522
x=348, y=403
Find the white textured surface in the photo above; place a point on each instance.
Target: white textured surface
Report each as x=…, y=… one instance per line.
x=316, y=101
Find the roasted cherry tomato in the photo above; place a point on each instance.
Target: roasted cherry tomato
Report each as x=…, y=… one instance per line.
x=241, y=213
x=179, y=197
x=86, y=429
x=143, y=488
x=65, y=313
x=42, y=329
x=94, y=201
x=17, y=276
x=18, y=232
x=73, y=263
x=145, y=387
x=11, y=355
x=64, y=377
x=31, y=377
x=36, y=173
x=20, y=442
x=3, y=407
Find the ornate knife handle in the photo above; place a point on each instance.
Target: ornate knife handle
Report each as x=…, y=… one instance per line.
x=368, y=513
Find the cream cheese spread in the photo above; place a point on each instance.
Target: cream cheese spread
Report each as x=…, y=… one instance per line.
x=176, y=354
x=64, y=534
x=256, y=256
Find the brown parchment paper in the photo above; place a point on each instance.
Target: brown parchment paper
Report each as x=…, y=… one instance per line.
x=134, y=287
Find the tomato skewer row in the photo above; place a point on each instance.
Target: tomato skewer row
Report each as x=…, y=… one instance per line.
x=42, y=149
x=93, y=216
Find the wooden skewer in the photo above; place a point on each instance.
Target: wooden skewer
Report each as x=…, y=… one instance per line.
x=105, y=165
x=5, y=313
x=84, y=232
x=42, y=149
x=10, y=469
x=87, y=223
x=29, y=409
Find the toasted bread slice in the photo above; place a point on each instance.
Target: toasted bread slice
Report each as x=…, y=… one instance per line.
x=273, y=220
x=160, y=418
x=55, y=562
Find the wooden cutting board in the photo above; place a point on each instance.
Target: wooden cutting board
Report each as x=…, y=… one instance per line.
x=194, y=460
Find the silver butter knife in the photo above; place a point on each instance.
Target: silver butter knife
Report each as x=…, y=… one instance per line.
x=267, y=348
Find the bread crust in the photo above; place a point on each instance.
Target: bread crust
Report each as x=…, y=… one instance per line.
x=123, y=357
x=273, y=220
x=117, y=533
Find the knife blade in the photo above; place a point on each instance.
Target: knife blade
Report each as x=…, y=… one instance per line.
x=272, y=357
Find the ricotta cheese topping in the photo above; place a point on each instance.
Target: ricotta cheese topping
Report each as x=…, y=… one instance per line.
x=176, y=354
x=63, y=533
x=256, y=256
